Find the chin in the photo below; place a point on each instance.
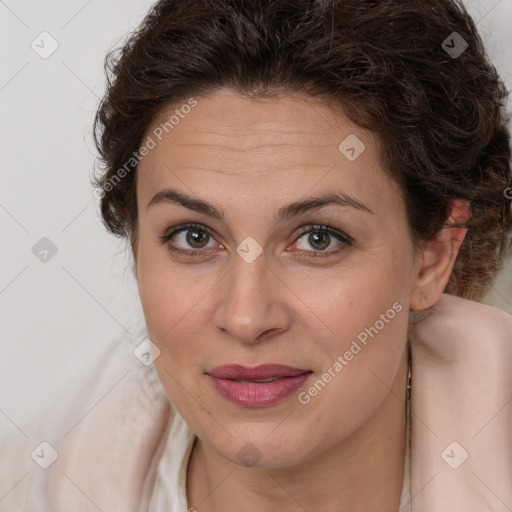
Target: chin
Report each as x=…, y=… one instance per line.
x=256, y=448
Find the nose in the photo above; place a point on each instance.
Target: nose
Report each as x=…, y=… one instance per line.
x=252, y=307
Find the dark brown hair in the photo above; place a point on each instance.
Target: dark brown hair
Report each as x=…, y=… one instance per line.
x=439, y=115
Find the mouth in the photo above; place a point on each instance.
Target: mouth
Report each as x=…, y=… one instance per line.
x=260, y=386
x=263, y=372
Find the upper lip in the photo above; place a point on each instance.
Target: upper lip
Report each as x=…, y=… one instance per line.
x=264, y=371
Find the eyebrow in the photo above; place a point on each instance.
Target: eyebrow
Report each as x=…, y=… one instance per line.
x=171, y=196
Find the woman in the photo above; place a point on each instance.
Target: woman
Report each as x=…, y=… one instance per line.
x=315, y=197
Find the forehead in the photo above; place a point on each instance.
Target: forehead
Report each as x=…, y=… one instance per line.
x=238, y=148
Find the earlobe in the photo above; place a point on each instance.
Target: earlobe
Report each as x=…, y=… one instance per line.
x=438, y=257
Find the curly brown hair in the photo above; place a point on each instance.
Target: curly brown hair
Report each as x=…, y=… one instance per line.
x=439, y=115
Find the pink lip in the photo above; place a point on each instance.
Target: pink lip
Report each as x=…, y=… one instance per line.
x=253, y=394
x=263, y=371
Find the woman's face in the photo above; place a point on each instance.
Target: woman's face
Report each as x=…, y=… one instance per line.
x=253, y=283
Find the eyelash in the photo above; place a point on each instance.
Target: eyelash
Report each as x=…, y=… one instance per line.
x=346, y=241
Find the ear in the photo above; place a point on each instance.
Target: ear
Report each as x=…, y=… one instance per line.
x=437, y=258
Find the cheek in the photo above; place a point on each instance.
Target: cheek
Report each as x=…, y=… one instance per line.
x=361, y=337
x=161, y=295
x=174, y=299
x=359, y=365
x=367, y=323
x=352, y=297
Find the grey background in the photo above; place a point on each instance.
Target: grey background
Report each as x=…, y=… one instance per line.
x=57, y=317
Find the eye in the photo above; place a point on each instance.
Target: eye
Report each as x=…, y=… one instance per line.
x=192, y=234
x=320, y=238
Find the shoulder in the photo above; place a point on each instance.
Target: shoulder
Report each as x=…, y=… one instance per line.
x=117, y=402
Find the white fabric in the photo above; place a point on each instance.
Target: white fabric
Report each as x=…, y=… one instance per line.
x=170, y=492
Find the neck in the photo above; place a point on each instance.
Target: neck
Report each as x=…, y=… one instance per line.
x=363, y=472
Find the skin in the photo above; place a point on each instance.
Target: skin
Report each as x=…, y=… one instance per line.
x=346, y=447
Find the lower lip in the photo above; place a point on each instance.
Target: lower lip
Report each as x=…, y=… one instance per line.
x=253, y=394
